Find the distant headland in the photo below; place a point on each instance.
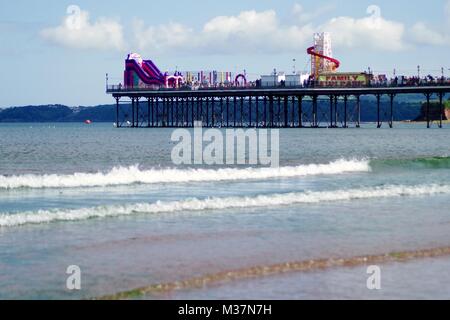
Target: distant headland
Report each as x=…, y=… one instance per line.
x=57, y=113
x=407, y=109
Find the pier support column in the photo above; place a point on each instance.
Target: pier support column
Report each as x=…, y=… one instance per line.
x=117, y=112
x=172, y=113
x=132, y=112
x=234, y=111
x=336, y=115
x=186, y=106
x=250, y=111
x=428, y=95
x=165, y=114
x=271, y=111
x=391, y=121
x=242, y=112
x=197, y=111
x=265, y=112
x=137, y=113
x=228, y=112
x=331, y=111
x=257, y=111
x=292, y=125
x=152, y=103
x=192, y=111
x=207, y=112
x=161, y=112
x=300, y=111
x=213, y=112
x=148, y=113
x=279, y=112
x=378, y=110
x=202, y=112
x=185, y=110
x=314, y=112
x=182, y=119
x=358, y=108
x=345, y=111
x=140, y=117
x=441, y=108
x=177, y=111
x=168, y=112
x=221, y=112
x=180, y=111
x=155, y=102
x=286, y=102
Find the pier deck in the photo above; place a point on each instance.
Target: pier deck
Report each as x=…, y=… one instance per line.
x=261, y=107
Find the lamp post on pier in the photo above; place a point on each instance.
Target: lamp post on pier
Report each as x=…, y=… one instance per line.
x=274, y=77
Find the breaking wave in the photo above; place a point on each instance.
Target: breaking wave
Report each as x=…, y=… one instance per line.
x=416, y=164
x=134, y=175
x=273, y=200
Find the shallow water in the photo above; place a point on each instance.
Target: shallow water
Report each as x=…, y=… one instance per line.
x=422, y=279
x=339, y=193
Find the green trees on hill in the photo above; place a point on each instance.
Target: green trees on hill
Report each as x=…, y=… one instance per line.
x=434, y=110
x=447, y=104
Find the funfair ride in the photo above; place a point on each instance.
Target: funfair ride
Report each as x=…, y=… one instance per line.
x=322, y=60
x=141, y=73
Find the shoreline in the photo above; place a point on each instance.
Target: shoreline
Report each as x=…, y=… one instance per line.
x=422, y=122
x=276, y=269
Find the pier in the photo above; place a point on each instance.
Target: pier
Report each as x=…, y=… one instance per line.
x=261, y=107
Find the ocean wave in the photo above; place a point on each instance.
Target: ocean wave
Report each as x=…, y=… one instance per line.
x=272, y=200
x=134, y=175
x=416, y=163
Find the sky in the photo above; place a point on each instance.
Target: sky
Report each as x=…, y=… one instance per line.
x=58, y=52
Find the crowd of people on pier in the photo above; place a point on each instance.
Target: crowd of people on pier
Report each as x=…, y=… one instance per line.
x=397, y=81
x=403, y=81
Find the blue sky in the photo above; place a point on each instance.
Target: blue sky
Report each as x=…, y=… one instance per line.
x=48, y=56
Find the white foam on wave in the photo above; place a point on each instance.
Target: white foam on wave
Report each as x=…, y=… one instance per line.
x=273, y=200
x=134, y=175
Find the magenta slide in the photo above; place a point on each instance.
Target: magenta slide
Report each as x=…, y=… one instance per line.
x=146, y=77
x=152, y=69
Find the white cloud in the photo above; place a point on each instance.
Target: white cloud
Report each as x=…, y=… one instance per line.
x=304, y=16
x=262, y=32
x=297, y=9
x=372, y=32
x=422, y=34
x=163, y=38
x=76, y=31
x=447, y=11
x=246, y=23
x=252, y=31
x=248, y=32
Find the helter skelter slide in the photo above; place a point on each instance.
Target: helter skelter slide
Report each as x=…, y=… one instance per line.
x=322, y=60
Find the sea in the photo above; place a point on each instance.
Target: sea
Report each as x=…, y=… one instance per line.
x=111, y=203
